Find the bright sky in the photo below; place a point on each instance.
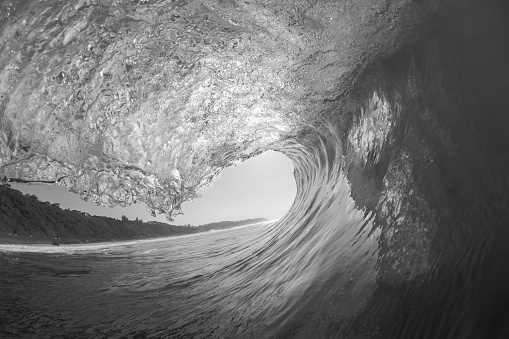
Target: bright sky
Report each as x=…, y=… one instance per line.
x=261, y=187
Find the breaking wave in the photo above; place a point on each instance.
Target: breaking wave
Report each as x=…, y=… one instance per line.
x=314, y=273
x=398, y=229
x=312, y=267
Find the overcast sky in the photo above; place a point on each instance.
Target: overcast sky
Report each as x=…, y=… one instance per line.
x=261, y=187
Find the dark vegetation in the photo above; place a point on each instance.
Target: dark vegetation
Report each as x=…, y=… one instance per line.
x=25, y=219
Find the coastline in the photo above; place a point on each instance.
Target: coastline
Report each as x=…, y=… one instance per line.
x=24, y=244
x=71, y=248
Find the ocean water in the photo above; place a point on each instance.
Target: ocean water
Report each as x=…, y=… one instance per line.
x=315, y=273
x=302, y=276
x=398, y=229
x=218, y=284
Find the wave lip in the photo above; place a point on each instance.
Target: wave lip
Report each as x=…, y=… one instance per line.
x=123, y=102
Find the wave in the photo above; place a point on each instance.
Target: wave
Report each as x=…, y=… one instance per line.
x=299, y=276
x=399, y=225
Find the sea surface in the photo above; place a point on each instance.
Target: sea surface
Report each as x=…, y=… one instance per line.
x=315, y=273
x=422, y=138
x=217, y=284
x=306, y=275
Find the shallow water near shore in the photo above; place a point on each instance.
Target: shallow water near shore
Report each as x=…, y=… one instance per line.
x=71, y=248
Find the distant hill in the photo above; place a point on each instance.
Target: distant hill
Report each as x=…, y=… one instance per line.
x=25, y=219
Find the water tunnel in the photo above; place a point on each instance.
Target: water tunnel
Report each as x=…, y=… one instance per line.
x=393, y=113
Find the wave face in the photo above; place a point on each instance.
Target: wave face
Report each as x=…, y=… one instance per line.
x=305, y=275
x=399, y=226
x=318, y=272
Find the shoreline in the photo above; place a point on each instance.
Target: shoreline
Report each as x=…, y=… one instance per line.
x=20, y=244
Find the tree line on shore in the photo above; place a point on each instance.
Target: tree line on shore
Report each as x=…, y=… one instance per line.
x=23, y=218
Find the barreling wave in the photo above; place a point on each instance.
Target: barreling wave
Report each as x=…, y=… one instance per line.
x=406, y=238
x=327, y=246
x=303, y=276
x=311, y=271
